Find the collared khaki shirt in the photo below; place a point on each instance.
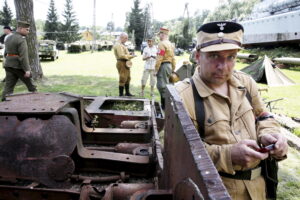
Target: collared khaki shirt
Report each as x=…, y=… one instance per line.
x=16, y=45
x=229, y=120
x=121, y=52
x=165, y=54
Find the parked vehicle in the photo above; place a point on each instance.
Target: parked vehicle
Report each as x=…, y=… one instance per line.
x=47, y=49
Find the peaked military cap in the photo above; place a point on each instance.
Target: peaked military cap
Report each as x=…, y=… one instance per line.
x=219, y=36
x=164, y=30
x=23, y=24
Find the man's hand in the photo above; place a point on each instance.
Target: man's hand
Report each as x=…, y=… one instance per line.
x=281, y=146
x=27, y=74
x=245, y=152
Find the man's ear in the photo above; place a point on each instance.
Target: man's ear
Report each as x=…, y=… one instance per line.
x=197, y=56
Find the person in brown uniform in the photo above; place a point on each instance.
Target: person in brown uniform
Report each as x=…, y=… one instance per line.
x=17, y=62
x=235, y=124
x=165, y=63
x=122, y=55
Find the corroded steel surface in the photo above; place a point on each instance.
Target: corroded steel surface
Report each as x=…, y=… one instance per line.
x=95, y=107
x=35, y=103
x=38, y=155
x=31, y=148
x=185, y=154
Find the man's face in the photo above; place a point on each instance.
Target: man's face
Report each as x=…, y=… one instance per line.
x=150, y=43
x=216, y=67
x=24, y=31
x=6, y=31
x=124, y=39
x=162, y=36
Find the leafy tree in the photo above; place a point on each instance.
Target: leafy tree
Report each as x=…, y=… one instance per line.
x=6, y=15
x=70, y=26
x=51, y=24
x=233, y=10
x=136, y=23
x=148, y=30
x=199, y=18
x=24, y=11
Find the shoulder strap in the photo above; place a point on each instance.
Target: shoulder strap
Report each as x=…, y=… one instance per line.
x=199, y=109
x=249, y=96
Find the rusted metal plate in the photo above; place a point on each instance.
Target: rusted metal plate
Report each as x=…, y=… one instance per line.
x=153, y=195
x=24, y=193
x=37, y=149
x=185, y=154
x=187, y=189
x=116, y=135
x=95, y=107
x=35, y=103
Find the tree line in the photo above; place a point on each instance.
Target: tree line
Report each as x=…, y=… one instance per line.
x=183, y=29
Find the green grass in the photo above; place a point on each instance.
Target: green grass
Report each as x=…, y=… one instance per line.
x=87, y=74
x=96, y=74
x=289, y=177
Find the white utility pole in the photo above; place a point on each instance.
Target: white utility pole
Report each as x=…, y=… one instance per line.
x=94, y=28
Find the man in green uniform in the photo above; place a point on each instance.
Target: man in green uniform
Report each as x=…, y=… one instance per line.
x=232, y=119
x=165, y=63
x=122, y=55
x=17, y=63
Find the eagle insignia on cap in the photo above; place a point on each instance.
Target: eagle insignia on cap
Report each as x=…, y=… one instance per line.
x=221, y=25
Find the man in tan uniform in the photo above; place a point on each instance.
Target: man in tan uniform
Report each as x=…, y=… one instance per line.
x=165, y=63
x=231, y=103
x=17, y=62
x=122, y=55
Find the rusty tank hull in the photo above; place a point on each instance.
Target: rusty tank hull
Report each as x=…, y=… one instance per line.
x=66, y=146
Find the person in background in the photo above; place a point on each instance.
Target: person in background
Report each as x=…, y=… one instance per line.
x=7, y=31
x=149, y=56
x=122, y=55
x=165, y=63
x=17, y=61
x=229, y=114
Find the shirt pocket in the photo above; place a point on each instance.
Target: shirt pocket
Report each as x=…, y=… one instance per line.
x=244, y=122
x=217, y=129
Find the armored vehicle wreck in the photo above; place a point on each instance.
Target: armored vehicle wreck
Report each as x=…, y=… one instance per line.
x=64, y=146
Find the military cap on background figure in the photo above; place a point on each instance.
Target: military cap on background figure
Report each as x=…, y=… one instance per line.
x=219, y=36
x=7, y=27
x=164, y=30
x=23, y=24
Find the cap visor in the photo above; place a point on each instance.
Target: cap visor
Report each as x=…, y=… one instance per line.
x=220, y=47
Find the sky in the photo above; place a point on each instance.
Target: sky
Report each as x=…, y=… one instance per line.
x=107, y=10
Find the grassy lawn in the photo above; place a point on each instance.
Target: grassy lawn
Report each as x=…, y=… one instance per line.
x=96, y=74
x=87, y=74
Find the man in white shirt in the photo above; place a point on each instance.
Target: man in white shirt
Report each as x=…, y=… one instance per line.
x=149, y=55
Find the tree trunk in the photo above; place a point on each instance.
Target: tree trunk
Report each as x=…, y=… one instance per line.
x=24, y=12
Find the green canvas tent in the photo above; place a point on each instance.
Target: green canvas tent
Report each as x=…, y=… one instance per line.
x=264, y=71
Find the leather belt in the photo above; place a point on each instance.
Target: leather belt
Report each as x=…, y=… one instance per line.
x=166, y=62
x=250, y=174
x=9, y=54
x=123, y=60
